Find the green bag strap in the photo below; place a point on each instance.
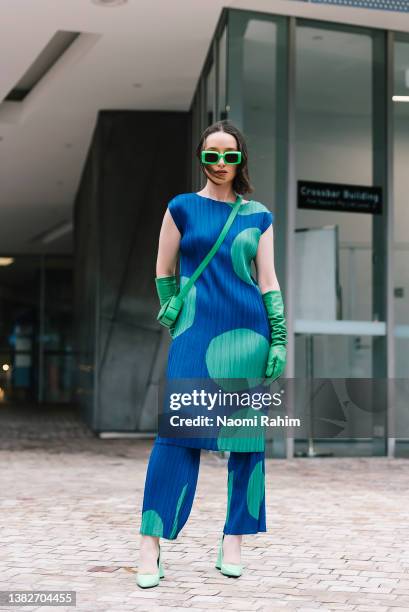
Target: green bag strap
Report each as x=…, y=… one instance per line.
x=213, y=250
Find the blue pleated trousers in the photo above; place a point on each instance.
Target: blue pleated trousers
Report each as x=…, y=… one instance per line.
x=170, y=486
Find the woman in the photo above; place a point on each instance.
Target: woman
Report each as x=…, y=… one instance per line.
x=231, y=326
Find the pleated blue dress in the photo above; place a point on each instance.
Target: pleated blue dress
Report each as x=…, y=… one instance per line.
x=222, y=335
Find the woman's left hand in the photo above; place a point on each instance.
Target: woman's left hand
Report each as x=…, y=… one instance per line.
x=276, y=361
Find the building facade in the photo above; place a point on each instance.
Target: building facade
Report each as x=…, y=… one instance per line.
x=324, y=113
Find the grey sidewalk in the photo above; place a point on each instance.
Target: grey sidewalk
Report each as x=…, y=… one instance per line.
x=338, y=531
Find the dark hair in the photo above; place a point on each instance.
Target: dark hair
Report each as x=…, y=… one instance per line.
x=241, y=182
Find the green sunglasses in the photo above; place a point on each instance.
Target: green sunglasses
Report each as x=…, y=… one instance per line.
x=213, y=157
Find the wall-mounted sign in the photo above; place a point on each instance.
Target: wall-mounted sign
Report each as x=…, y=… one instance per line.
x=339, y=197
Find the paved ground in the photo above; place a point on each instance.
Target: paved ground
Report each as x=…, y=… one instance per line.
x=338, y=529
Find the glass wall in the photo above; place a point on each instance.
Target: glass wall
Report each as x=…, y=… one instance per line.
x=36, y=333
x=253, y=94
x=210, y=94
x=310, y=98
x=209, y=103
x=401, y=246
x=222, y=67
x=334, y=125
x=333, y=122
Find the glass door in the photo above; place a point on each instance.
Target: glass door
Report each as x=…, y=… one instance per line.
x=339, y=272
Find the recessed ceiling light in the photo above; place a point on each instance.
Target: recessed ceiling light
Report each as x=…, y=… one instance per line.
x=6, y=261
x=109, y=2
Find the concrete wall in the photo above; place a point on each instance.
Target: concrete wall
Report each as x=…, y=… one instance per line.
x=137, y=162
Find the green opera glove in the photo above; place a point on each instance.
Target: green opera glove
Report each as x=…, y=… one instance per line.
x=277, y=355
x=166, y=286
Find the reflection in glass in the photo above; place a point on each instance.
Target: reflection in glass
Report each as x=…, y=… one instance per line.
x=401, y=209
x=222, y=77
x=259, y=103
x=401, y=246
x=334, y=123
x=210, y=94
x=334, y=144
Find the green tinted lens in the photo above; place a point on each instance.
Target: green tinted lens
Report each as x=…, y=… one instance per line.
x=210, y=157
x=232, y=157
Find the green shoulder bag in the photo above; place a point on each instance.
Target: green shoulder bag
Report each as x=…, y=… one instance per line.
x=171, y=309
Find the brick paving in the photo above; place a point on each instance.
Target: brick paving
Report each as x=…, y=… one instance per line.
x=338, y=530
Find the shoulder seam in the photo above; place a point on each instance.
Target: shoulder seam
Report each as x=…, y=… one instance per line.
x=264, y=207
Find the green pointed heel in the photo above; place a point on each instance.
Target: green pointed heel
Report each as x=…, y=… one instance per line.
x=228, y=569
x=150, y=580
